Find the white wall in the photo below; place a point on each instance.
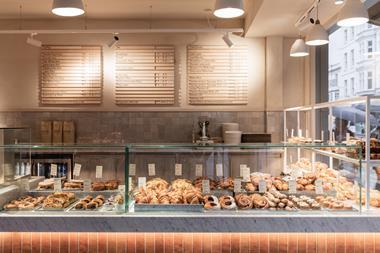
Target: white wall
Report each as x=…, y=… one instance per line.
x=19, y=71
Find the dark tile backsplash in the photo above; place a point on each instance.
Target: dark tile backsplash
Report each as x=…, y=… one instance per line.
x=145, y=127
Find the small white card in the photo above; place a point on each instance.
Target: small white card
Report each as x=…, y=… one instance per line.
x=319, y=186
x=262, y=186
x=152, y=169
x=141, y=182
x=77, y=168
x=57, y=185
x=198, y=170
x=292, y=186
x=246, y=174
x=53, y=170
x=130, y=186
x=132, y=169
x=206, y=186
x=219, y=170
x=242, y=168
x=121, y=188
x=237, y=185
x=99, y=171
x=86, y=185
x=178, y=169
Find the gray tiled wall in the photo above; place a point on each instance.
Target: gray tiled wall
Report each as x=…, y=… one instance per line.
x=154, y=127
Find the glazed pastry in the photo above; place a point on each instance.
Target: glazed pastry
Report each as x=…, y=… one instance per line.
x=259, y=201
x=250, y=187
x=212, y=206
x=244, y=201
x=227, y=202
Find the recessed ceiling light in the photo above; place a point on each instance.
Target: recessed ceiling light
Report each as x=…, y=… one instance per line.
x=353, y=13
x=228, y=8
x=299, y=49
x=68, y=8
x=339, y=2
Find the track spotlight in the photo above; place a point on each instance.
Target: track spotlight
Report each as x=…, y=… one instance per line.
x=114, y=41
x=226, y=38
x=67, y=8
x=353, y=13
x=228, y=8
x=32, y=41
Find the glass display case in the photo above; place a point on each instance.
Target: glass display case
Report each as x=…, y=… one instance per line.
x=62, y=179
x=353, y=121
x=274, y=178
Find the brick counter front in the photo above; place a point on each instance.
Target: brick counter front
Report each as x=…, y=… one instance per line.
x=189, y=242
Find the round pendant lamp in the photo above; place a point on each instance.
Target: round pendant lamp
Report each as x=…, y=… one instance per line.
x=299, y=49
x=228, y=8
x=68, y=8
x=353, y=13
x=317, y=36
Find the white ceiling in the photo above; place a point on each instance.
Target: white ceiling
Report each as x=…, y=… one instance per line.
x=277, y=17
x=126, y=9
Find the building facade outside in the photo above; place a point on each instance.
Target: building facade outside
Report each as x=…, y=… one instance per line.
x=354, y=62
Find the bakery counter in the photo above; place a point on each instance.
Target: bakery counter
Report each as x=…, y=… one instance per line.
x=191, y=222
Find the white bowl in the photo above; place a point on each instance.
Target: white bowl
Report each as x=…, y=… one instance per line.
x=232, y=137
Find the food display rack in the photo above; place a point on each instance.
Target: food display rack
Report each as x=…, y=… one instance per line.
x=360, y=109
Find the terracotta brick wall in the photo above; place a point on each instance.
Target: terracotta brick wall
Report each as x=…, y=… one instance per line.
x=188, y=242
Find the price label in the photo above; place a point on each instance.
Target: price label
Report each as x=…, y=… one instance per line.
x=206, y=186
x=25, y=184
x=262, y=186
x=237, y=185
x=242, y=168
x=28, y=169
x=132, y=169
x=86, y=185
x=53, y=170
x=77, y=168
x=292, y=186
x=152, y=169
x=141, y=182
x=219, y=170
x=57, y=185
x=178, y=169
x=130, y=186
x=319, y=186
x=99, y=171
x=246, y=174
x=198, y=170
x=121, y=188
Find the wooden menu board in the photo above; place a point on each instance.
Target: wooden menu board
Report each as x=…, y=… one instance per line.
x=71, y=75
x=145, y=75
x=217, y=75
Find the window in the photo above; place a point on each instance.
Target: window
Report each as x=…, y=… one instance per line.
x=361, y=76
x=369, y=48
x=337, y=95
x=352, y=86
x=369, y=79
x=345, y=61
x=345, y=36
x=352, y=58
x=346, y=88
x=352, y=33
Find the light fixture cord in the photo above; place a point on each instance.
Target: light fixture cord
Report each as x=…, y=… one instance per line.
x=150, y=16
x=20, y=18
x=85, y=14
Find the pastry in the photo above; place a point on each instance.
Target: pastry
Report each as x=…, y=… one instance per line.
x=250, y=187
x=244, y=201
x=227, y=202
x=259, y=201
x=212, y=206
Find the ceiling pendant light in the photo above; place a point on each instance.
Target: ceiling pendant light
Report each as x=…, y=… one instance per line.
x=317, y=35
x=228, y=8
x=299, y=48
x=353, y=13
x=68, y=8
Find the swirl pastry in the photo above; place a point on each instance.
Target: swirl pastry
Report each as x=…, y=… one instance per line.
x=226, y=183
x=212, y=206
x=250, y=187
x=244, y=201
x=259, y=201
x=227, y=202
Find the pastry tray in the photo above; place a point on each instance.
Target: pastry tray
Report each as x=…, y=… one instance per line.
x=168, y=208
x=41, y=208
